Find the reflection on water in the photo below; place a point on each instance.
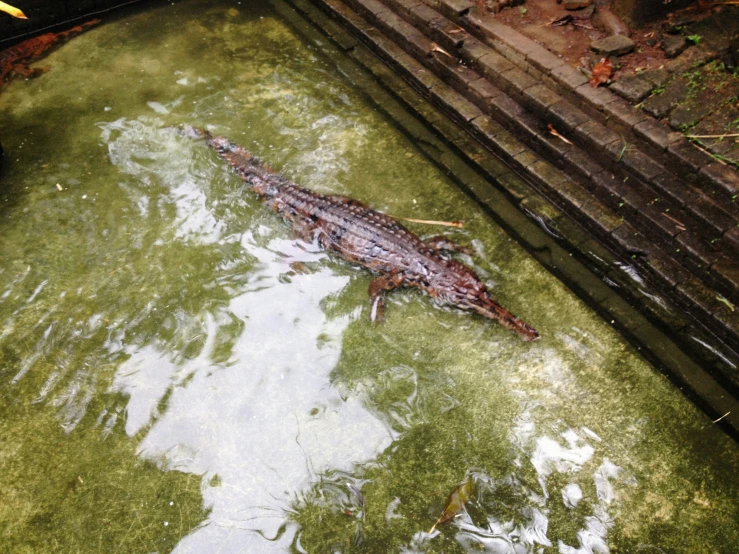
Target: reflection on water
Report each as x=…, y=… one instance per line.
x=179, y=373
x=266, y=419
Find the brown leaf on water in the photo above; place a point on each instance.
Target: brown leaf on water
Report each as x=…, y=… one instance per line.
x=601, y=72
x=455, y=502
x=15, y=12
x=299, y=267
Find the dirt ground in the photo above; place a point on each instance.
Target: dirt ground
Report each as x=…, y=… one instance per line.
x=537, y=20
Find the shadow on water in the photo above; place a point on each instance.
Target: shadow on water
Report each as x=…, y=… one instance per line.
x=177, y=372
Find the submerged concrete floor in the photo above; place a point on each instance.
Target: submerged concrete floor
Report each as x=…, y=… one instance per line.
x=593, y=166
x=664, y=210
x=178, y=373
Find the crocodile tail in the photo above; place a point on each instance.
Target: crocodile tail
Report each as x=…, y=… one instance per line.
x=526, y=331
x=78, y=29
x=493, y=310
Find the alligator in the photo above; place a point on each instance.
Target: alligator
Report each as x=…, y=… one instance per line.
x=15, y=60
x=369, y=238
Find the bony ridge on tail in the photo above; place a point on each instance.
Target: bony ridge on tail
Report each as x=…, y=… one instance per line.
x=369, y=238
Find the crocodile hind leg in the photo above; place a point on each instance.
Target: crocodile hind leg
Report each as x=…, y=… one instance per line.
x=29, y=72
x=440, y=242
x=376, y=288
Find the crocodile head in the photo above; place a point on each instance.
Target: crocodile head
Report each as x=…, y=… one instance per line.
x=462, y=288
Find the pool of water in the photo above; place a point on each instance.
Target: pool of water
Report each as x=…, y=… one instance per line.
x=178, y=372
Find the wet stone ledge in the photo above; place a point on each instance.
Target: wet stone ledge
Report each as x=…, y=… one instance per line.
x=45, y=14
x=601, y=200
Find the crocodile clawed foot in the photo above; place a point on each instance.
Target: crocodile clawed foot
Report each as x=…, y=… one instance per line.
x=377, y=311
x=441, y=243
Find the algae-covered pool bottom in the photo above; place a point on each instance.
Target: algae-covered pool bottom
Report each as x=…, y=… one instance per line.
x=178, y=372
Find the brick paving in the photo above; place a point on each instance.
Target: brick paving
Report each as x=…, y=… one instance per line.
x=663, y=207
x=697, y=92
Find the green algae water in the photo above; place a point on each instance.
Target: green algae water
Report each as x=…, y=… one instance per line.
x=179, y=373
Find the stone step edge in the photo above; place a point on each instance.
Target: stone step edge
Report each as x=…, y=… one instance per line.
x=620, y=236
x=613, y=110
x=569, y=120
x=697, y=254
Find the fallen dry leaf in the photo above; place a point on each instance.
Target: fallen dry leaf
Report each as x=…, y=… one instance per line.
x=15, y=12
x=601, y=72
x=436, y=48
x=553, y=131
x=455, y=502
x=564, y=20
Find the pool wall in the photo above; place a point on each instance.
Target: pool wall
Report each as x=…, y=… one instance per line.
x=43, y=15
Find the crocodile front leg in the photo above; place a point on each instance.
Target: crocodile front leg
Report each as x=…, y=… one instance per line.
x=441, y=243
x=29, y=72
x=383, y=283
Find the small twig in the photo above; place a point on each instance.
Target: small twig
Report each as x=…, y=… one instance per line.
x=677, y=222
x=457, y=224
x=725, y=302
x=722, y=417
x=626, y=148
x=713, y=136
x=719, y=160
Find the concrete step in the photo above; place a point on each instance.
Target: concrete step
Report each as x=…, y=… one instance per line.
x=668, y=147
x=619, y=174
x=616, y=147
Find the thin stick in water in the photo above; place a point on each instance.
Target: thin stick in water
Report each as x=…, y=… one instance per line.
x=457, y=224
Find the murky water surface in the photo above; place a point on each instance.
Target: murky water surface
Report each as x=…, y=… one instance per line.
x=178, y=372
